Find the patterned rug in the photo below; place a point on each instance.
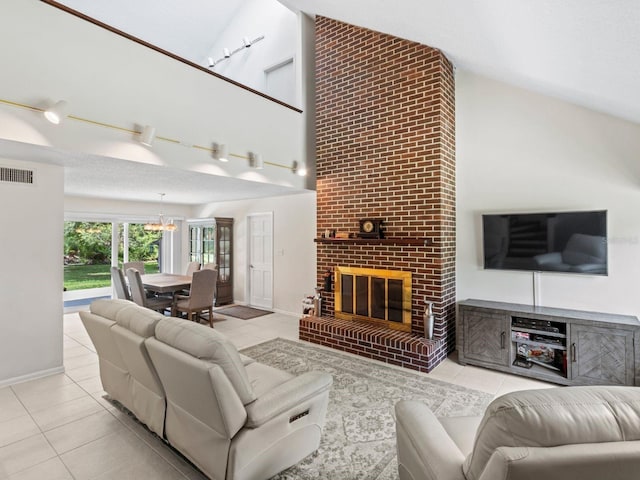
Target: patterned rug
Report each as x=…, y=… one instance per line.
x=358, y=440
x=242, y=312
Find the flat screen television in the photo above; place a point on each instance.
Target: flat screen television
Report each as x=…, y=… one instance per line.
x=572, y=242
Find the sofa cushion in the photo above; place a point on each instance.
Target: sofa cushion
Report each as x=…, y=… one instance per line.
x=556, y=416
x=206, y=344
x=139, y=320
x=109, y=308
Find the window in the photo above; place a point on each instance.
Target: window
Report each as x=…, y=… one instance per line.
x=202, y=243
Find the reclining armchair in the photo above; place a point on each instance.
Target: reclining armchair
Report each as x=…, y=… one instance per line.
x=572, y=433
x=233, y=417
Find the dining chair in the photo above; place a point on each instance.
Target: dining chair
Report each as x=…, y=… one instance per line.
x=138, y=295
x=201, y=297
x=210, y=266
x=120, y=286
x=192, y=267
x=137, y=265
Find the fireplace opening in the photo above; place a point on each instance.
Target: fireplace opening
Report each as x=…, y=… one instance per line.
x=380, y=296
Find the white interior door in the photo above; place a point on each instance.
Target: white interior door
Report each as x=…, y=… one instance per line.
x=260, y=226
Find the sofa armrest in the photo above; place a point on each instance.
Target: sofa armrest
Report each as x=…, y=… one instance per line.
x=425, y=450
x=286, y=396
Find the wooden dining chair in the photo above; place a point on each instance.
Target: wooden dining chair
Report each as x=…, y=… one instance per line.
x=120, y=286
x=137, y=265
x=201, y=297
x=139, y=296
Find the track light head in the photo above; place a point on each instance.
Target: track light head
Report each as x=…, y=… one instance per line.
x=226, y=53
x=220, y=152
x=55, y=114
x=299, y=169
x=255, y=161
x=246, y=42
x=147, y=135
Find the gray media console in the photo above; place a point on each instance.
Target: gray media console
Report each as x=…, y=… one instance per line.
x=569, y=347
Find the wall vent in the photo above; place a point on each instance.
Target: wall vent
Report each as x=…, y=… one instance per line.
x=16, y=175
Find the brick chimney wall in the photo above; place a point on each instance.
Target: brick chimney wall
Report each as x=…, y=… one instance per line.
x=385, y=126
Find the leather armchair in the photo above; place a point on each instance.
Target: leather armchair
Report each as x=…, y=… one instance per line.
x=571, y=433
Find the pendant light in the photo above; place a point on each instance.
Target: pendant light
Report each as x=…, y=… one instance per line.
x=161, y=224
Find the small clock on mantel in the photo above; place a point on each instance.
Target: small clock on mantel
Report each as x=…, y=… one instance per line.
x=371, y=228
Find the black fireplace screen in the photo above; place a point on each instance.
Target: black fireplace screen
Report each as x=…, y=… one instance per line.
x=374, y=297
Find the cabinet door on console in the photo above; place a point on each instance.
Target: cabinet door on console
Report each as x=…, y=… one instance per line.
x=602, y=356
x=485, y=336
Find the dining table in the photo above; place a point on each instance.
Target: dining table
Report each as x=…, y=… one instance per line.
x=166, y=282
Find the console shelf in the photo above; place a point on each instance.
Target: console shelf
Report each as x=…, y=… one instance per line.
x=569, y=347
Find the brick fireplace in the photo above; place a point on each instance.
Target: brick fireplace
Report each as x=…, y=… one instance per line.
x=385, y=126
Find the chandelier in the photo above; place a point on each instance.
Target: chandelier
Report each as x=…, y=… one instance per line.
x=161, y=224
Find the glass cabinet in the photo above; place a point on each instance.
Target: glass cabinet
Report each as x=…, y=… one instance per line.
x=213, y=243
x=224, y=240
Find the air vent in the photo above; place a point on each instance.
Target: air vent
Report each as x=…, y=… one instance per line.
x=16, y=175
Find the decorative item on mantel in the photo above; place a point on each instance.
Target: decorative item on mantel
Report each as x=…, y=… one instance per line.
x=428, y=320
x=371, y=228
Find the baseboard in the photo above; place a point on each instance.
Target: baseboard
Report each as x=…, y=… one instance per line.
x=31, y=376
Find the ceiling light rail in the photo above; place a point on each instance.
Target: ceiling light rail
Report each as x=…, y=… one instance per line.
x=215, y=150
x=226, y=54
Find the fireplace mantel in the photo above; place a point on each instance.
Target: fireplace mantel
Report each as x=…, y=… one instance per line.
x=419, y=242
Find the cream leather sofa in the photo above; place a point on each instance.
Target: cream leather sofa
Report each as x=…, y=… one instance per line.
x=118, y=330
x=572, y=433
x=233, y=417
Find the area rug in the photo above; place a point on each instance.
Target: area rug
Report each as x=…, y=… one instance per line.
x=242, y=312
x=358, y=440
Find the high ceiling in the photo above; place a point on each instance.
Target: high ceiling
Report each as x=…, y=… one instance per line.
x=586, y=52
x=583, y=51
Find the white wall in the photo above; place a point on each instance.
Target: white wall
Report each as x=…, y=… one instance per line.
x=279, y=26
x=520, y=151
x=31, y=279
x=109, y=79
x=294, y=260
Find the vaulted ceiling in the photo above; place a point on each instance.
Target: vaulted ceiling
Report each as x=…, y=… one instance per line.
x=586, y=52
x=583, y=51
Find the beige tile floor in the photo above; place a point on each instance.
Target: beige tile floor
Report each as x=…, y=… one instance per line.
x=60, y=427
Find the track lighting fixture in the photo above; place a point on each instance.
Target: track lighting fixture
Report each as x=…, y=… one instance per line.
x=256, y=161
x=226, y=53
x=299, y=169
x=55, y=113
x=220, y=152
x=147, y=135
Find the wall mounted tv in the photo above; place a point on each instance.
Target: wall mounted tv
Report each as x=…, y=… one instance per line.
x=574, y=242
